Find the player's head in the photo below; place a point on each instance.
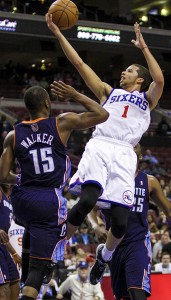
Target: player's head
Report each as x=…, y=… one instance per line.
x=144, y=74
x=135, y=76
x=37, y=100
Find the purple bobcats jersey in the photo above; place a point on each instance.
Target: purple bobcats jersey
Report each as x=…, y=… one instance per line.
x=41, y=154
x=5, y=213
x=137, y=227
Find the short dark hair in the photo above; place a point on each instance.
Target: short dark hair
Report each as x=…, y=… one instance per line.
x=34, y=98
x=165, y=253
x=145, y=74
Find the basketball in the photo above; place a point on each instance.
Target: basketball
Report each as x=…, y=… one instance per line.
x=64, y=13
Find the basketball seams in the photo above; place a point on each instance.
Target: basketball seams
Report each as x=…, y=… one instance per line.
x=75, y=14
x=66, y=18
x=65, y=13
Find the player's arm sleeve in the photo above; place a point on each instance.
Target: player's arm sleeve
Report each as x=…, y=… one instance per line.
x=65, y=286
x=98, y=291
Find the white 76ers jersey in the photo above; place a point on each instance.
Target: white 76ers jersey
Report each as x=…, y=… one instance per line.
x=129, y=117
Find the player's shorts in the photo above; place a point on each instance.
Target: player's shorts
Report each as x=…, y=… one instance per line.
x=112, y=166
x=130, y=268
x=43, y=212
x=8, y=270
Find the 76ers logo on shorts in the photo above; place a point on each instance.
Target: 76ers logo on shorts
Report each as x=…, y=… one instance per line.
x=128, y=197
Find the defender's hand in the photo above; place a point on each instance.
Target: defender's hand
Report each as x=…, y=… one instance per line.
x=63, y=90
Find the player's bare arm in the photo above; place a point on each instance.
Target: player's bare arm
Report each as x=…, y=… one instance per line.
x=156, y=87
x=15, y=256
x=158, y=197
x=67, y=122
x=95, y=84
x=7, y=159
x=4, y=238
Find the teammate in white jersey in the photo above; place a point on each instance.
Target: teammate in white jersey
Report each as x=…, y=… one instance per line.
x=107, y=168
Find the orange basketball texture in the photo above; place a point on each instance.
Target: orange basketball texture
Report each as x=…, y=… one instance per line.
x=64, y=13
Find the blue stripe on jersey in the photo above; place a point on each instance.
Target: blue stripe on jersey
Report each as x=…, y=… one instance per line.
x=41, y=154
x=58, y=253
x=108, y=97
x=62, y=210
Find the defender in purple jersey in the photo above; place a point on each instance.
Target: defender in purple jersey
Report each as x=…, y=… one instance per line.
x=131, y=262
x=39, y=145
x=9, y=276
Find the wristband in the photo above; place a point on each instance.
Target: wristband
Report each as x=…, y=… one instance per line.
x=144, y=48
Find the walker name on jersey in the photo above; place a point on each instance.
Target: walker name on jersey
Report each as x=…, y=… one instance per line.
x=17, y=231
x=7, y=204
x=130, y=98
x=37, y=138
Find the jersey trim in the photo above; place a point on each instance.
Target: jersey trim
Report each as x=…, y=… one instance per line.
x=108, y=97
x=33, y=121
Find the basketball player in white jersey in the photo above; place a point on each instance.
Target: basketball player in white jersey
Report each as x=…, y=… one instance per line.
x=107, y=168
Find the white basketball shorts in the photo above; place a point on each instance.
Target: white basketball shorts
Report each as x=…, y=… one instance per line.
x=112, y=166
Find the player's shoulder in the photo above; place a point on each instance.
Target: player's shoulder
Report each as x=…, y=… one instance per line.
x=153, y=182
x=10, y=138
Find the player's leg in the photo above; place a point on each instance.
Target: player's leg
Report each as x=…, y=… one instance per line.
x=119, y=219
x=5, y=291
x=47, y=234
x=14, y=279
x=137, y=294
x=88, y=199
x=25, y=255
x=37, y=271
x=9, y=276
x=14, y=291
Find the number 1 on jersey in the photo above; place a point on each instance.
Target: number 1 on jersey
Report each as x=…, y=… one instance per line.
x=125, y=111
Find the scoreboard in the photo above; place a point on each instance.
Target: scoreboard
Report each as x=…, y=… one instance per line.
x=86, y=31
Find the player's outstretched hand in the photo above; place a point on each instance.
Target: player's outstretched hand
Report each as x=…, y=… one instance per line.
x=52, y=26
x=139, y=42
x=63, y=90
x=4, y=238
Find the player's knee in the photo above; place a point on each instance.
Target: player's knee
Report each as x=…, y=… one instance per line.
x=89, y=196
x=38, y=269
x=88, y=199
x=118, y=230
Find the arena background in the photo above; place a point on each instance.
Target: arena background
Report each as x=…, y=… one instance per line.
x=27, y=46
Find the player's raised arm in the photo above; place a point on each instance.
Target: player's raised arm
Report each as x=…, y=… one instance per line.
x=156, y=87
x=96, y=85
x=94, y=115
x=158, y=197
